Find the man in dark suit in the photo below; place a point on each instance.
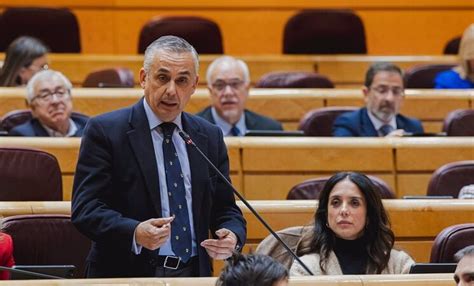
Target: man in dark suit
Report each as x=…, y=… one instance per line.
x=383, y=95
x=228, y=82
x=49, y=98
x=144, y=197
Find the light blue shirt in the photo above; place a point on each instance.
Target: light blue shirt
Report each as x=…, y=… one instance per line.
x=379, y=123
x=179, y=144
x=226, y=127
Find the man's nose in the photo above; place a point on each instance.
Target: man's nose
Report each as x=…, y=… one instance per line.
x=171, y=89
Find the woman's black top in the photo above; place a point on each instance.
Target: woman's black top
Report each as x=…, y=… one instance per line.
x=352, y=255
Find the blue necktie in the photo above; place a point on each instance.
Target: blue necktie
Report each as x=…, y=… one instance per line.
x=180, y=229
x=234, y=131
x=386, y=129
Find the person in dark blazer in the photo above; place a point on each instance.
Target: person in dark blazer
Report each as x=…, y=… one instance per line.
x=149, y=211
x=383, y=95
x=228, y=82
x=49, y=98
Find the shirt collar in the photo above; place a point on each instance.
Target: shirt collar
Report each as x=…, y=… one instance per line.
x=226, y=126
x=53, y=133
x=379, y=123
x=154, y=121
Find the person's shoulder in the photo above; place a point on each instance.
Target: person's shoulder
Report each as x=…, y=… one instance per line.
x=6, y=240
x=350, y=115
x=200, y=123
x=262, y=120
x=24, y=129
x=311, y=260
x=399, y=262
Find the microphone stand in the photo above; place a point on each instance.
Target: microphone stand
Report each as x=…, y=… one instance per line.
x=187, y=139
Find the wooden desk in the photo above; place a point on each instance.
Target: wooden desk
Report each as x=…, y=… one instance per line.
x=343, y=70
x=347, y=280
x=286, y=105
x=414, y=235
x=266, y=168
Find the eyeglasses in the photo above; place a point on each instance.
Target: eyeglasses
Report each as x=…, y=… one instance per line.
x=220, y=85
x=384, y=90
x=48, y=95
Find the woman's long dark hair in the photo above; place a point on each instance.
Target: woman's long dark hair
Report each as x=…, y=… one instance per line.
x=20, y=54
x=377, y=233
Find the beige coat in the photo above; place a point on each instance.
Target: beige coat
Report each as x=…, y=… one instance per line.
x=399, y=263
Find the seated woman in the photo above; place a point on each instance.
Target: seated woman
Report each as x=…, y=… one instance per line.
x=461, y=76
x=6, y=254
x=24, y=57
x=351, y=233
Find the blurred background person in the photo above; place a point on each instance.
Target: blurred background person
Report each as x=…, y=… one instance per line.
x=229, y=83
x=351, y=233
x=464, y=273
x=252, y=270
x=6, y=254
x=48, y=95
x=24, y=57
x=461, y=76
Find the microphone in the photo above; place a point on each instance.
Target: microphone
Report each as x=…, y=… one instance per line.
x=35, y=275
x=187, y=139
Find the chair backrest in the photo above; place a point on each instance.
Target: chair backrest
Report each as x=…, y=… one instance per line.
x=448, y=179
x=291, y=236
x=423, y=76
x=57, y=28
x=459, y=122
x=452, y=47
x=47, y=240
x=318, y=122
x=20, y=116
x=450, y=240
x=310, y=189
x=324, y=32
x=112, y=77
x=294, y=80
x=29, y=175
x=203, y=34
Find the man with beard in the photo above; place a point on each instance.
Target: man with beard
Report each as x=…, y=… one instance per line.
x=383, y=95
x=228, y=82
x=48, y=95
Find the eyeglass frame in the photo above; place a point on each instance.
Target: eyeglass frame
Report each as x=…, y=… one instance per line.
x=40, y=68
x=384, y=93
x=47, y=98
x=233, y=84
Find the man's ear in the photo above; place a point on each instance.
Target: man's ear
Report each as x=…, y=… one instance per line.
x=142, y=77
x=365, y=91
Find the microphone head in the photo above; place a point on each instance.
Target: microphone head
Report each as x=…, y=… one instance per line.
x=187, y=139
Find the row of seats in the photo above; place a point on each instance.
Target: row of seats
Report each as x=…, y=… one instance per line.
x=308, y=32
x=317, y=122
x=52, y=239
x=34, y=175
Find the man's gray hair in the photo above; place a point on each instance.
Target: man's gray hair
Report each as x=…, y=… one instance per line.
x=45, y=75
x=169, y=44
x=227, y=60
x=466, y=251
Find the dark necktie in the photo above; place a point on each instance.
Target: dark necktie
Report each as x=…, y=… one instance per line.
x=180, y=230
x=386, y=129
x=235, y=131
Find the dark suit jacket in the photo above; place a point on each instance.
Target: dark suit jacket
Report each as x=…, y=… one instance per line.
x=253, y=121
x=33, y=128
x=116, y=187
x=357, y=124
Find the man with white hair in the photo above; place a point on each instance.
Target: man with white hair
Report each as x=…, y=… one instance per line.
x=48, y=95
x=464, y=274
x=228, y=82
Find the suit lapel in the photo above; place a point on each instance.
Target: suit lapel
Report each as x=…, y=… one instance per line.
x=141, y=143
x=250, y=121
x=368, y=128
x=38, y=129
x=197, y=164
